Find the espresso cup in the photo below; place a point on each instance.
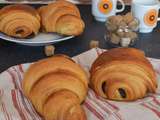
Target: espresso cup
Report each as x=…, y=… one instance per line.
x=146, y=11
x=102, y=9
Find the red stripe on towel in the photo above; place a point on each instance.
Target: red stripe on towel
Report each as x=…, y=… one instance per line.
x=16, y=105
x=21, y=68
x=112, y=105
x=13, y=79
x=155, y=100
x=28, y=107
x=93, y=110
x=91, y=93
x=106, y=106
x=152, y=109
x=3, y=112
x=19, y=80
x=26, y=103
x=6, y=114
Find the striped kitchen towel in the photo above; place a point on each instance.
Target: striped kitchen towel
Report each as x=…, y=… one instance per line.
x=14, y=106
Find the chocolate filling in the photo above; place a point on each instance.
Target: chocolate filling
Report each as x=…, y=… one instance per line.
x=122, y=92
x=20, y=31
x=104, y=87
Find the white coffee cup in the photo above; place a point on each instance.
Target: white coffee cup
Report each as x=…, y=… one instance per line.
x=102, y=9
x=146, y=11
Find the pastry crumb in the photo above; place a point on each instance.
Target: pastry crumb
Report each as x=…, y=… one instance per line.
x=49, y=50
x=94, y=44
x=125, y=42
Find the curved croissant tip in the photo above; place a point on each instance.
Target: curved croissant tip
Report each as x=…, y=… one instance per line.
x=64, y=56
x=76, y=113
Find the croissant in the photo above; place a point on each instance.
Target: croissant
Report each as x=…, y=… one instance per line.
x=19, y=21
x=56, y=86
x=123, y=74
x=61, y=17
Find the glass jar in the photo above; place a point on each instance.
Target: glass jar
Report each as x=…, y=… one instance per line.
x=121, y=34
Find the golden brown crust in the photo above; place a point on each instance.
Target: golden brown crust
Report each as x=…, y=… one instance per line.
x=56, y=86
x=50, y=8
x=70, y=25
x=126, y=68
x=53, y=13
x=56, y=63
x=57, y=15
x=66, y=108
x=117, y=54
x=19, y=20
x=48, y=11
x=19, y=7
x=55, y=82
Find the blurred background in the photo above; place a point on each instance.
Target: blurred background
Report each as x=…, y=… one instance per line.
x=81, y=1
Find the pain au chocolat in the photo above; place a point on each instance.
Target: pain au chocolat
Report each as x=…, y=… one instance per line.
x=19, y=21
x=123, y=74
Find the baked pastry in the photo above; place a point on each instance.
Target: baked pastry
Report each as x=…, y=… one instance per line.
x=61, y=17
x=19, y=21
x=123, y=74
x=56, y=86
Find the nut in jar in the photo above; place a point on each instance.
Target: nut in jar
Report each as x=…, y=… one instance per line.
x=121, y=30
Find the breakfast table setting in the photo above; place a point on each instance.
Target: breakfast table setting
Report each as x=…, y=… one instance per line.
x=79, y=60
